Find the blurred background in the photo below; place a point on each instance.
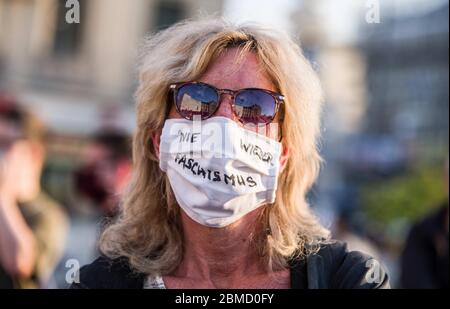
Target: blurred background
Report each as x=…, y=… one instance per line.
x=384, y=68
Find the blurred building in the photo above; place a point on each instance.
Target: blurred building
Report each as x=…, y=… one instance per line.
x=70, y=73
x=80, y=78
x=407, y=78
x=386, y=84
x=342, y=69
x=386, y=111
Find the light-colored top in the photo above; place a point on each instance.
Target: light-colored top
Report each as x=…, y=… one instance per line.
x=154, y=283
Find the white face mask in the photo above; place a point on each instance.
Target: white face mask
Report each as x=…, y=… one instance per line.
x=218, y=171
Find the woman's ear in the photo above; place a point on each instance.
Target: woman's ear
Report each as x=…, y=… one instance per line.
x=284, y=156
x=156, y=140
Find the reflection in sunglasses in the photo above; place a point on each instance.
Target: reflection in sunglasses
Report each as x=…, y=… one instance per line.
x=190, y=104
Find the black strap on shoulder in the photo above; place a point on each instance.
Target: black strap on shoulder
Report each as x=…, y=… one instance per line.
x=299, y=276
x=315, y=270
x=105, y=273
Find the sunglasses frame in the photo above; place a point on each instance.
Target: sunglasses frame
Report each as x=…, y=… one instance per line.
x=278, y=98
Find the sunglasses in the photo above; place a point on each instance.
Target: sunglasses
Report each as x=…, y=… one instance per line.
x=250, y=105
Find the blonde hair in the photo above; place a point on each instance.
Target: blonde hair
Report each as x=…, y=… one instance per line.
x=148, y=230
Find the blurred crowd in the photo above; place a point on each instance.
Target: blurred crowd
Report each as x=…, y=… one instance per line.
x=34, y=227
x=38, y=233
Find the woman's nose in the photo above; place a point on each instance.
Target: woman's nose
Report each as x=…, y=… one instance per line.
x=225, y=107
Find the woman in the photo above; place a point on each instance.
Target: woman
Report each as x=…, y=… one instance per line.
x=225, y=151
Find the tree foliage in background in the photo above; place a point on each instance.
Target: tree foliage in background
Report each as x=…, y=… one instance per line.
x=404, y=198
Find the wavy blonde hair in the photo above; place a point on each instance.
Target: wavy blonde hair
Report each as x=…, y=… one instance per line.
x=148, y=231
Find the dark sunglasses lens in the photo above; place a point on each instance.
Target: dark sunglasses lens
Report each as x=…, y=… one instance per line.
x=255, y=106
x=196, y=99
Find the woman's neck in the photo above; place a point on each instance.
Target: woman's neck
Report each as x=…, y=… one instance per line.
x=220, y=255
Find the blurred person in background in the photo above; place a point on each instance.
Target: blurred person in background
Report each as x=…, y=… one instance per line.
x=32, y=225
x=345, y=230
x=106, y=170
x=425, y=259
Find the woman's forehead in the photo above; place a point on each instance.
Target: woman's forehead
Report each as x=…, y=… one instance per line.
x=236, y=69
